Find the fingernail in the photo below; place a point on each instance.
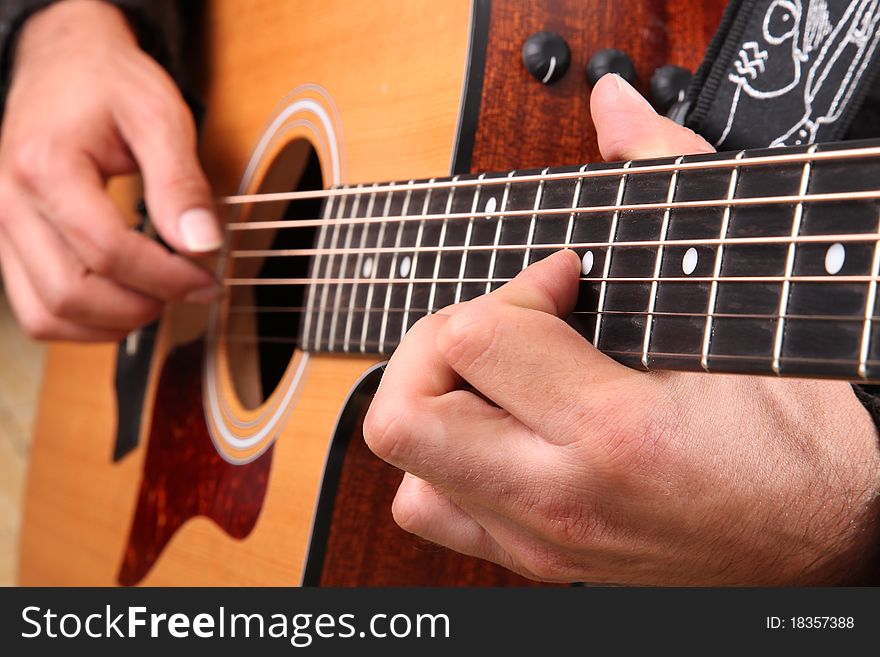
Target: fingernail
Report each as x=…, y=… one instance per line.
x=626, y=88
x=204, y=295
x=199, y=230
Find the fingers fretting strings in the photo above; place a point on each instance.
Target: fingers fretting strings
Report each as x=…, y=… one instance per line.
x=649, y=234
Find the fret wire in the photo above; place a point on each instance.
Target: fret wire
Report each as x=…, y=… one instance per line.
x=467, y=239
x=831, y=197
x=538, y=195
x=397, y=238
x=719, y=255
x=327, y=273
x=316, y=268
x=338, y=296
x=256, y=282
x=865, y=343
x=658, y=263
x=569, y=231
x=346, y=343
x=498, y=227
x=371, y=288
x=838, y=155
x=612, y=233
x=731, y=241
x=789, y=265
x=440, y=242
x=734, y=358
x=415, y=264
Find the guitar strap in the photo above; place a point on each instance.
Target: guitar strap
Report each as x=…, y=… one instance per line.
x=789, y=72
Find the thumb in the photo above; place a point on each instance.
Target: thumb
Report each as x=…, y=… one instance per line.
x=629, y=129
x=177, y=193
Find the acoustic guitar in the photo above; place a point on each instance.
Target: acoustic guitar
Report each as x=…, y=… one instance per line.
x=223, y=445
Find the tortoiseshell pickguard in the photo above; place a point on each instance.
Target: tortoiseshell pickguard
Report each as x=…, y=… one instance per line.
x=184, y=476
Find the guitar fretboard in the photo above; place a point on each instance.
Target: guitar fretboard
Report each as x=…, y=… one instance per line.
x=763, y=261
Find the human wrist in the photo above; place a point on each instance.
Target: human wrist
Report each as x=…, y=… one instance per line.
x=74, y=23
x=853, y=555
x=857, y=563
x=867, y=523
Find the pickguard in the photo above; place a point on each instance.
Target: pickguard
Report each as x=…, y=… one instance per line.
x=184, y=476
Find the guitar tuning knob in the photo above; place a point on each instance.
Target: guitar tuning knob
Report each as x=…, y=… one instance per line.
x=608, y=61
x=546, y=57
x=669, y=85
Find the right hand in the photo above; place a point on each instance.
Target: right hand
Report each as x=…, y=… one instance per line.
x=86, y=103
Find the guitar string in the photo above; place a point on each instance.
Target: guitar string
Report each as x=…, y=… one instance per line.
x=243, y=338
x=374, y=344
x=729, y=163
x=264, y=282
x=291, y=310
x=238, y=338
x=738, y=357
x=783, y=240
x=578, y=210
x=792, y=199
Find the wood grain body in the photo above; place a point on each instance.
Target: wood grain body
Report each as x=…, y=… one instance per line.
x=526, y=125
x=184, y=476
x=394, y=71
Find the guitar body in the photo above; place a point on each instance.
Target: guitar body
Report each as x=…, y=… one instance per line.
x=233, y=483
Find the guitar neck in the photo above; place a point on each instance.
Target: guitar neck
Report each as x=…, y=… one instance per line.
x=762, y=261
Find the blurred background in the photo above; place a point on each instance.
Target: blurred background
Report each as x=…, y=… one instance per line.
x=21, y=368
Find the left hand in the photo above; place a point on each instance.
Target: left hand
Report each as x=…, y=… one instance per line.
x=526, y=446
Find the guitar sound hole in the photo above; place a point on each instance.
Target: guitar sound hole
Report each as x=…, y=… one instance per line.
x=262, y=323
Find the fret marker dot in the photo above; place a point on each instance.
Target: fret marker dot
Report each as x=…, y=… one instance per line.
x=689, y=262
x=587, y=263
x=368, y=267
x=491, y=204
x=405, y=266
x=834, y=258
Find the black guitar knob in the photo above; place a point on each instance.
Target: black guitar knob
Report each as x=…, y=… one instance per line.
x=611, y=61
x=669, y=85
x=546, y=56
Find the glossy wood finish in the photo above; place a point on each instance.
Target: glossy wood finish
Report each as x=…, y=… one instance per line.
x=524, y=124
x=394, y=70
x=183, y=475
x=397, y=93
